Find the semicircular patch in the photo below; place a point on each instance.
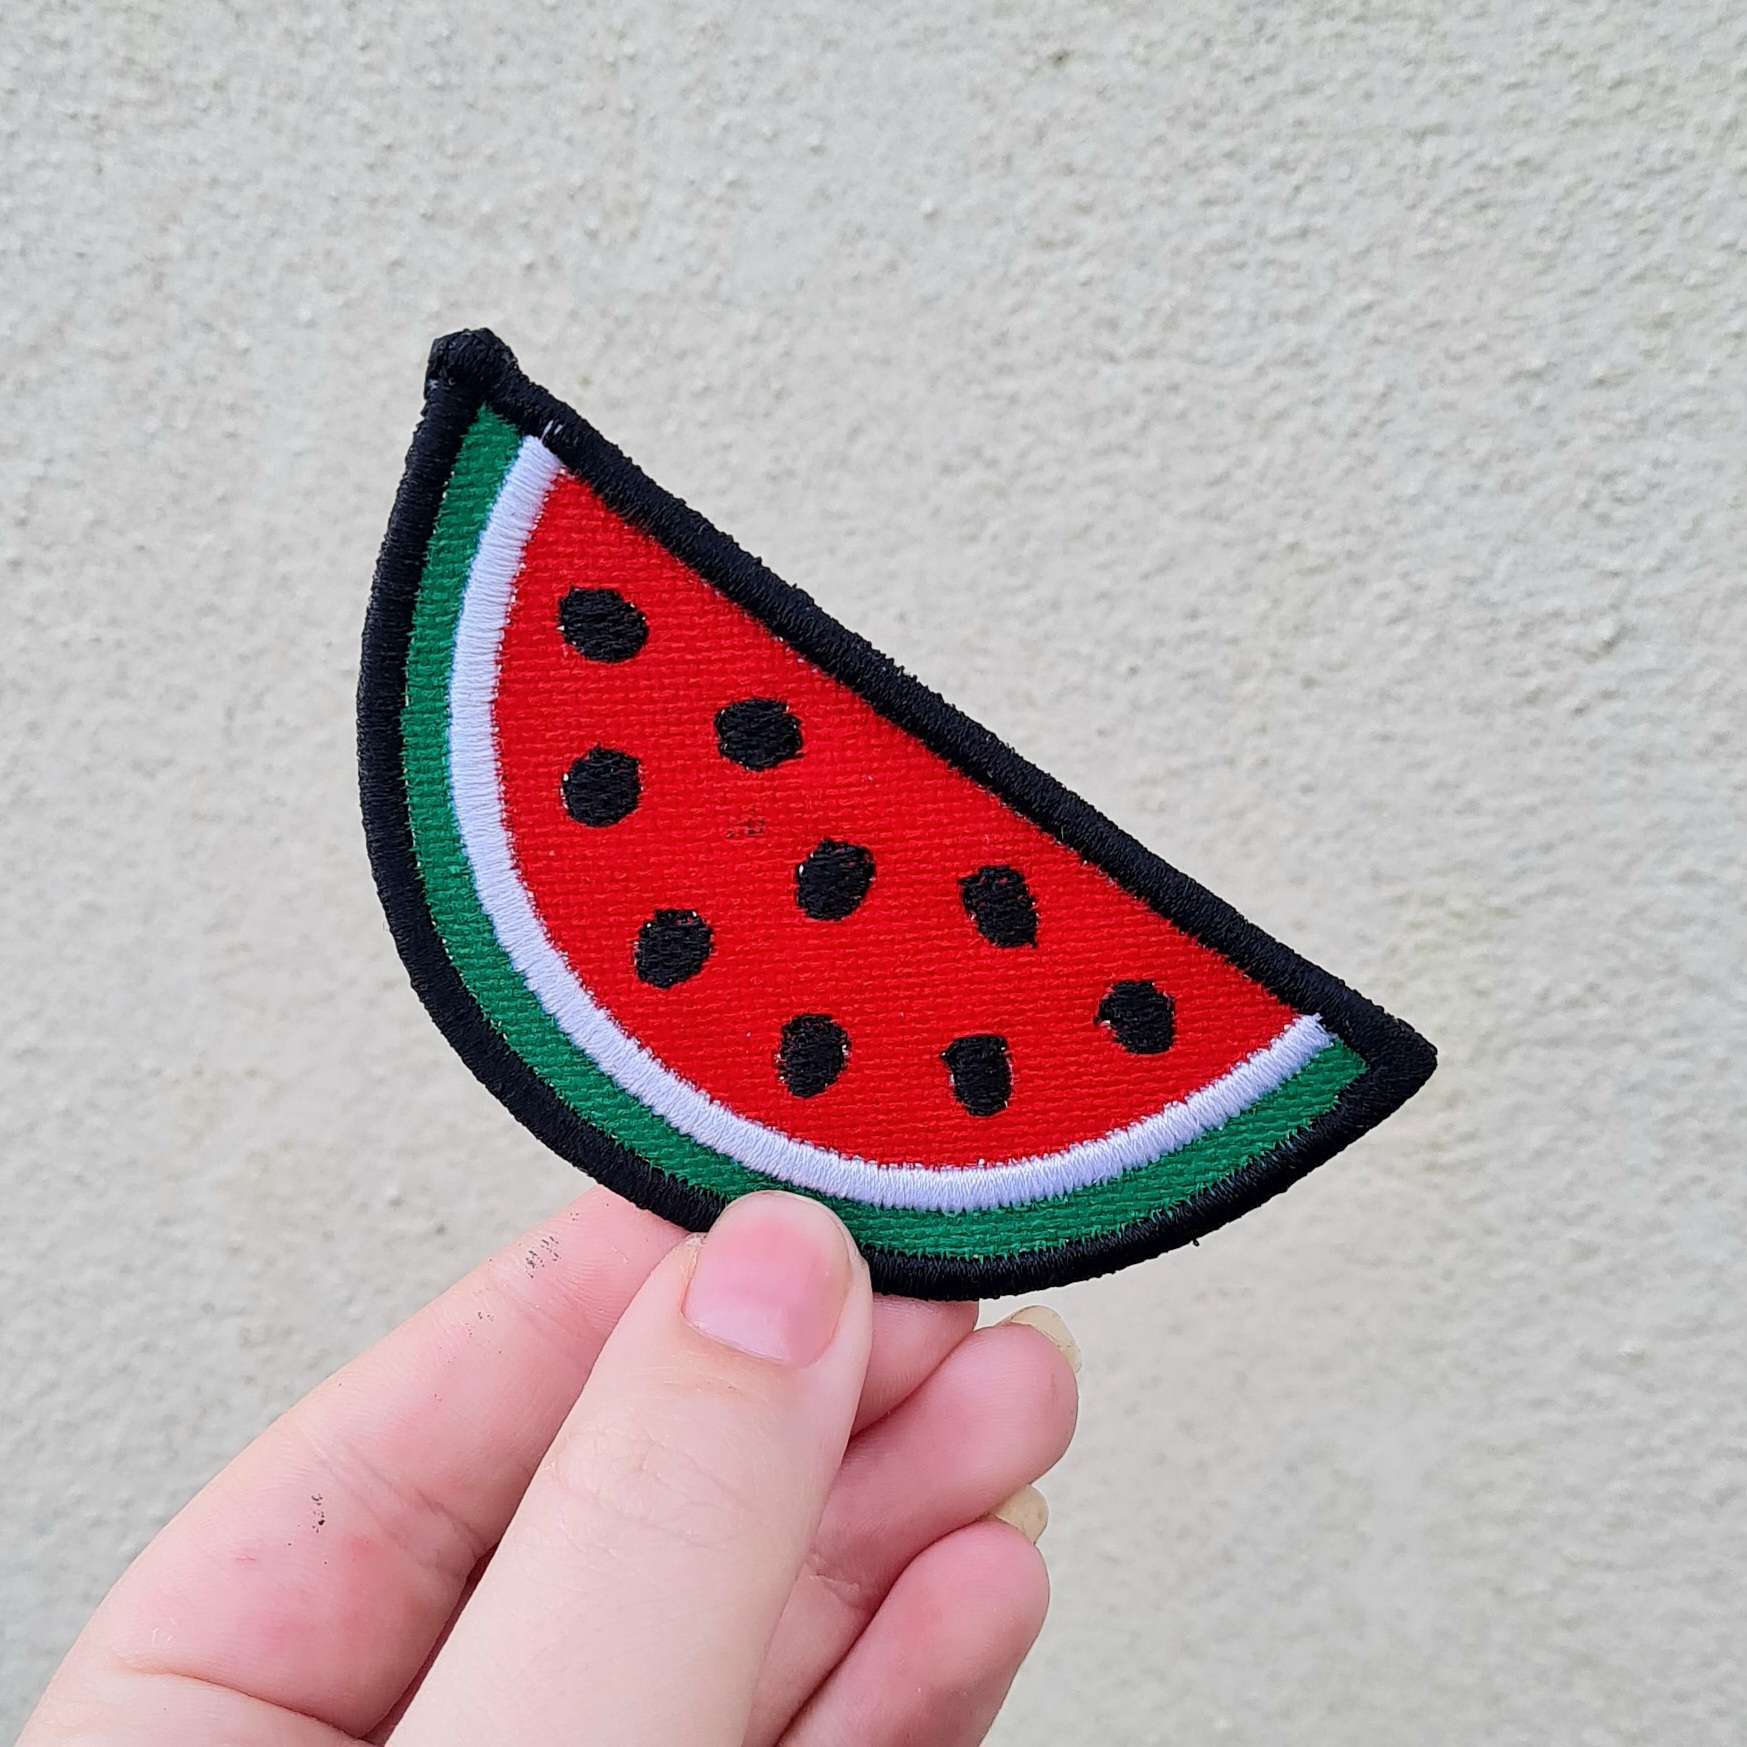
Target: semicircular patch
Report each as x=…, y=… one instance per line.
x=715, y=897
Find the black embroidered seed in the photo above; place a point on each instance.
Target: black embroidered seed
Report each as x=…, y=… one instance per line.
x=601, y=624
x=812, y=1054
x=758, y=733
x=982, y=1076
x=831, y=883
x=672, y=946
x=602, y=787
x=998, y=900
x=1141, y=1017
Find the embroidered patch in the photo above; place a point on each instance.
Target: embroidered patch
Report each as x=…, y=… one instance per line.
x=715, y=897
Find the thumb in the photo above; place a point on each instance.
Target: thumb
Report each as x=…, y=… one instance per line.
x=636, y=1590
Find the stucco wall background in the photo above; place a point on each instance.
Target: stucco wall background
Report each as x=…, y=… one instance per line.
x=1314, y=432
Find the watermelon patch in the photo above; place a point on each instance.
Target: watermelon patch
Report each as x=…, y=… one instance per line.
x=715, y=897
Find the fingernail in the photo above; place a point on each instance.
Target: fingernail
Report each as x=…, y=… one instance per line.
x=1053, y=1330
x=771, y=1279
x=1027, y=1511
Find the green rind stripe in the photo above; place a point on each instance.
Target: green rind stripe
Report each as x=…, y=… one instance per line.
x=487, y=453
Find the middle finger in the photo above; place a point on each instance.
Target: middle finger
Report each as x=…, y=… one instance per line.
x=997, y=1413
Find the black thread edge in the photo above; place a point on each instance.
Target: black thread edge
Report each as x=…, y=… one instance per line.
x=474, y=369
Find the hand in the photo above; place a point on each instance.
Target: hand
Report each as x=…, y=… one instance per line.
x=613, y=1487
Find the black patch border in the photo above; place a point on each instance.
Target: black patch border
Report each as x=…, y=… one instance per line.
x=475, y=369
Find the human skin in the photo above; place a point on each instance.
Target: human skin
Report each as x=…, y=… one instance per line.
x=615, y=1485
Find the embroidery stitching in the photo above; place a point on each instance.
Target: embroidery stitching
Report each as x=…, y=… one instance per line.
x=1359, y=1064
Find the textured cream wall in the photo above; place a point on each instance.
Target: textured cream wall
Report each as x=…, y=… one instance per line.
x=1314, y=431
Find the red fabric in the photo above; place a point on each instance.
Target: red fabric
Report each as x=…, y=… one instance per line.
x=908, y=972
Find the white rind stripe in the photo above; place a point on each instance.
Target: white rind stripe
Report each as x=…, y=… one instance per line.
x=476, y=792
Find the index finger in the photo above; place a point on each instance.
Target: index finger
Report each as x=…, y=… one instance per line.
x=317, y=1571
